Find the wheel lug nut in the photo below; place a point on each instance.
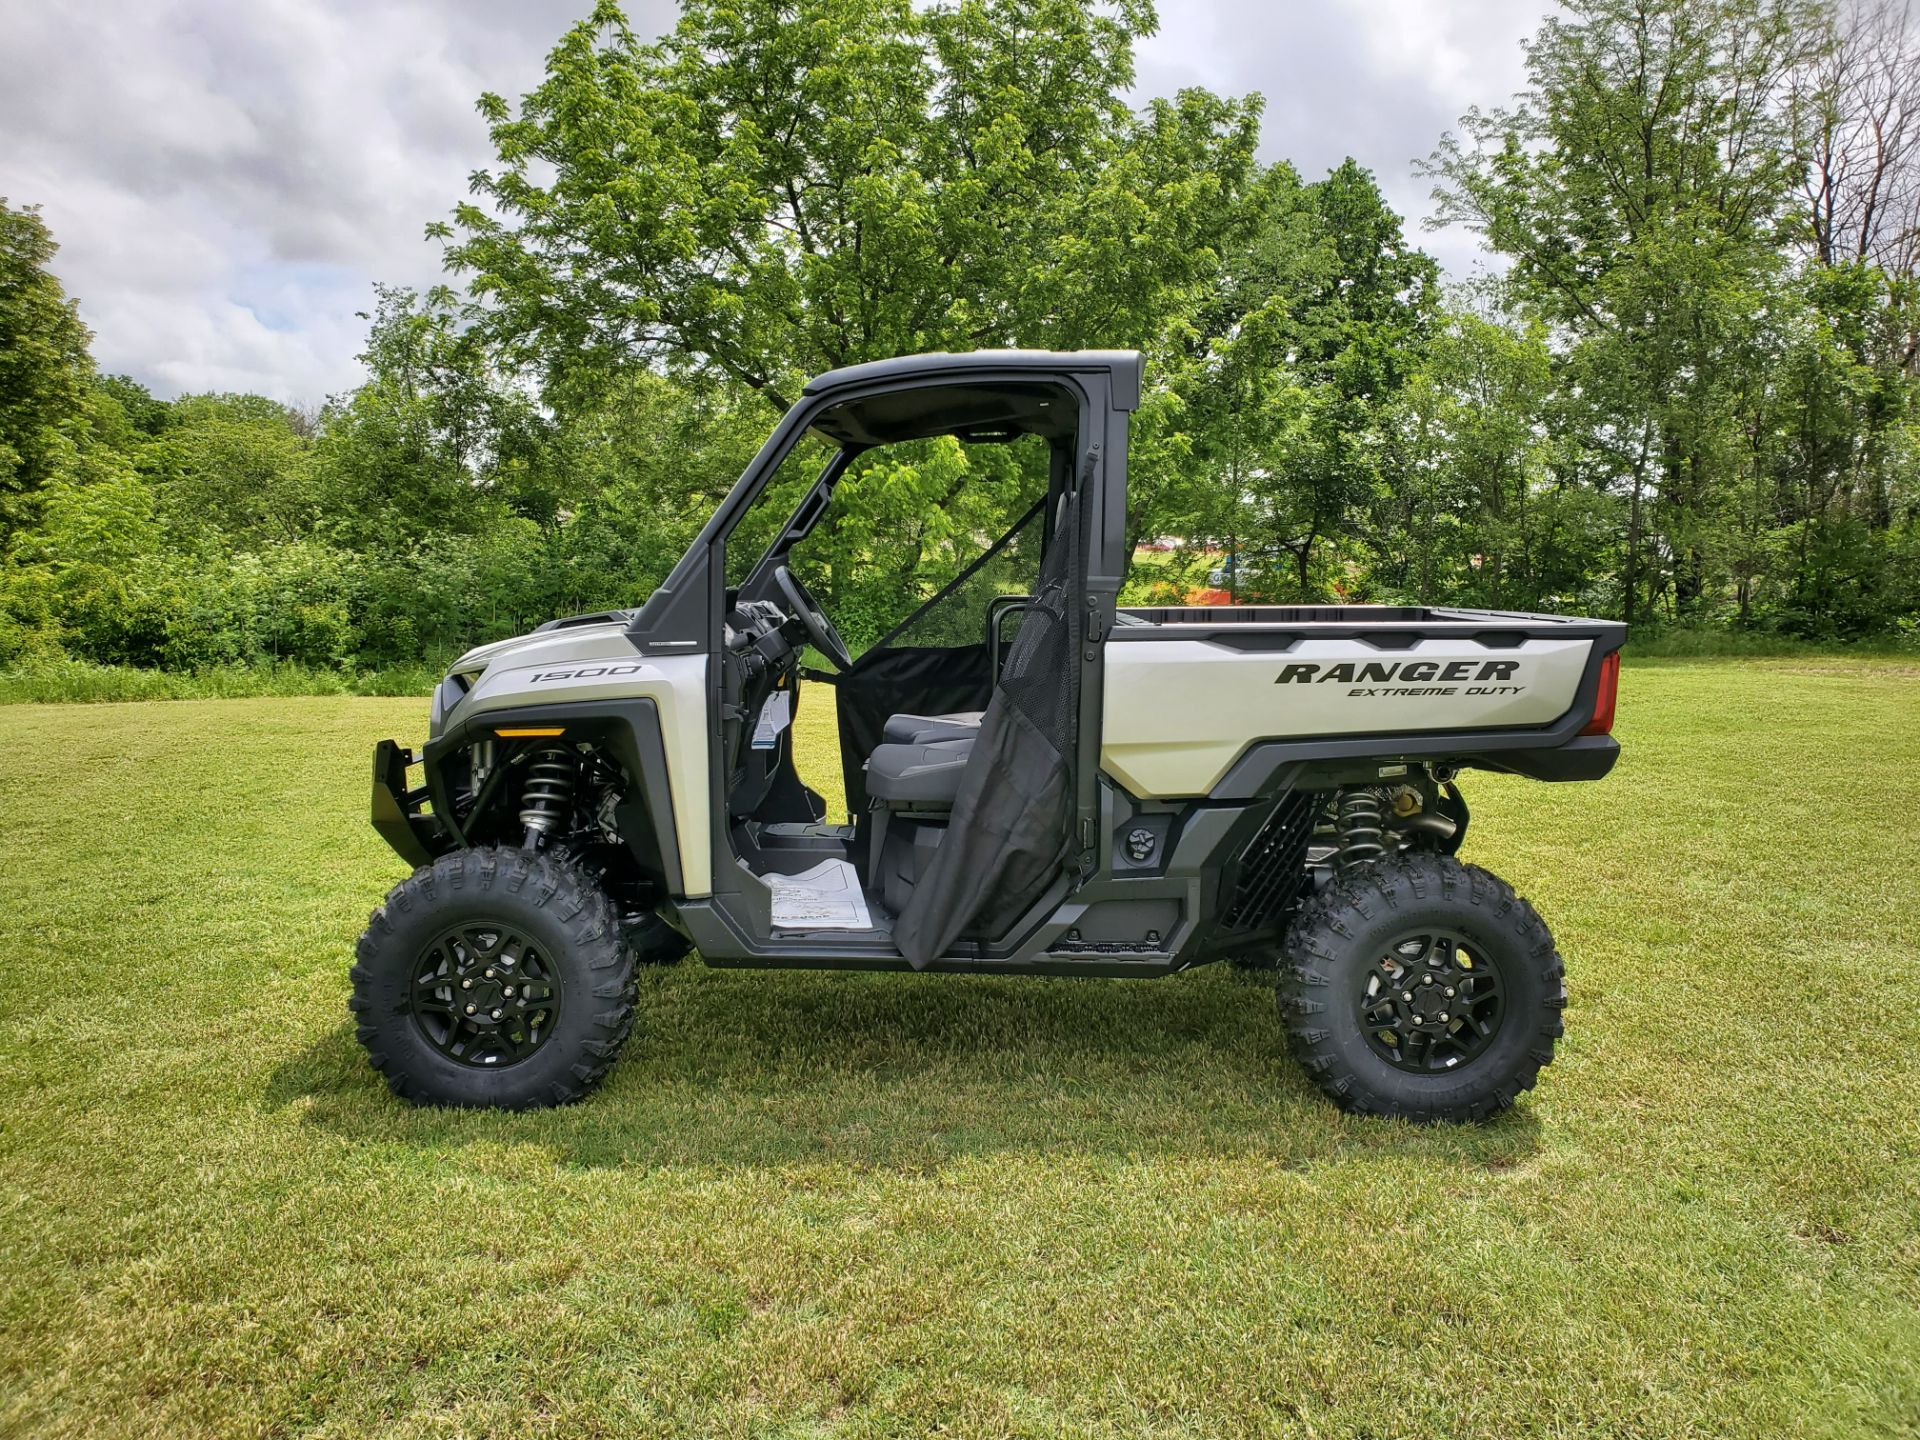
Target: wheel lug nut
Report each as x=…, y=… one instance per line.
x=469, y=1009
x=489, y=974
x=496, y=1015
x=1443, y=1016
x=466, y=984
x=1449, y=992
x=507, y=991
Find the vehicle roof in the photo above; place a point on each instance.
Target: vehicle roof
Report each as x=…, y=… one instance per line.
x=1123, y=365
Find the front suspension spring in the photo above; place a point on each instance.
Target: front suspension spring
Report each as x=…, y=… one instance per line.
x=548, y=793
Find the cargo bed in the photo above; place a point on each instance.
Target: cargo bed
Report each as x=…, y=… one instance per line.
x=1208, y=700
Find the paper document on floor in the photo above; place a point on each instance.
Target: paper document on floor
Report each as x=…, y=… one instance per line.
x=827, y=897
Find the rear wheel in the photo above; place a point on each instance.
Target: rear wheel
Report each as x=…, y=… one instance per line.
x=493, y=977
x=1423, y=988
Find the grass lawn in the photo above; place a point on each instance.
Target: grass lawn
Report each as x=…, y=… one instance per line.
x=810, y=1205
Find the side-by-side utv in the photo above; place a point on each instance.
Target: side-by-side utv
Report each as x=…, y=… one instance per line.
x=1039, y=782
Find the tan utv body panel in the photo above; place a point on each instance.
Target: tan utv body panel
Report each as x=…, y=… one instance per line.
x=598, y=664
x=1178, y=712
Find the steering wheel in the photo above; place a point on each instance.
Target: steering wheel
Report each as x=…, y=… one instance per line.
x=807, y=611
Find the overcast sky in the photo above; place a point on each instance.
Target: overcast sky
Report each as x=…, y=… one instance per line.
x=227, y=178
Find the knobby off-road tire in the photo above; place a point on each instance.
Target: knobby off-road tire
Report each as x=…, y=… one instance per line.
x=493, y=929
x=1442, y=927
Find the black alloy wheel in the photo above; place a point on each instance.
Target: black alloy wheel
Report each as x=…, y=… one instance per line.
x=1431, y=1002
x=493, y=977
x=483, y=994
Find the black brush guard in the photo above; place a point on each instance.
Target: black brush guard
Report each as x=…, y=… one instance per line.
x=397, y=810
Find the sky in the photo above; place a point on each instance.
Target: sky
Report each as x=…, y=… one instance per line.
x=227, y=179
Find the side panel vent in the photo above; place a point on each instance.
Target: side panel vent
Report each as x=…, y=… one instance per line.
x=1272, y=871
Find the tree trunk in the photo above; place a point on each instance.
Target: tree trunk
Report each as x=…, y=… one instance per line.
x=1632, y=569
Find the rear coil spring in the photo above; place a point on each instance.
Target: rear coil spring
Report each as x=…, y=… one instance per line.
x=549, y=790
x=1362, y=829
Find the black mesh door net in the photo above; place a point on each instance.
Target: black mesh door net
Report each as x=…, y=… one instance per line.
x=1012, y=821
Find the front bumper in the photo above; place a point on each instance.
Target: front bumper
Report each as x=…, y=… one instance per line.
x=397, y=810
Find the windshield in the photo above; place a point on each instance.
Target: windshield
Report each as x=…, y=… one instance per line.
x=938, y=473
x=907, y=519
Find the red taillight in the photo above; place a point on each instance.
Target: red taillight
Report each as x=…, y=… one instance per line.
x=1602, y=722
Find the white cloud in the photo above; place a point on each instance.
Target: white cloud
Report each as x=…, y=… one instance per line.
x=227, y=178
x=1378, y=80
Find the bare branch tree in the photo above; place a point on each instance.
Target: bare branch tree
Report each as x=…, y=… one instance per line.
x=1858, y=116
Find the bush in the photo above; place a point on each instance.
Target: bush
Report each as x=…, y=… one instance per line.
x=63, y=680
x=1709, y=642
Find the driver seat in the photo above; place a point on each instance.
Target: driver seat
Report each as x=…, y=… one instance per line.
x=928, y=729
x=918, y=761
x=913, y=778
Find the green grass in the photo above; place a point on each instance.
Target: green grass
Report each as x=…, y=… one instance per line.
x=811, y=1205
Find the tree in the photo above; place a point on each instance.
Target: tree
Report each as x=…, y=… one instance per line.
x=780, y=187
x=1832, y=527
x=45, y=369
x=1836, y=441
x=1316, y=326
x=1856, y=116
x=1641, y=187
x=233, y=466
x=440, y=439
x=123, y=414
x=1467, y=455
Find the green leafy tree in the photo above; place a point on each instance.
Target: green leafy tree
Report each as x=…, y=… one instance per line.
x=45, y=369
x=1318, y=324
x=779, y=187
x=440, y=439
x=653, y=456
x=1816, y=540
x=1483, y=509
x=233, y=466
x=124, y=415
x=1640, y=187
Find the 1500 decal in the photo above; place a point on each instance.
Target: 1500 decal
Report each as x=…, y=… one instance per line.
x=591, y=672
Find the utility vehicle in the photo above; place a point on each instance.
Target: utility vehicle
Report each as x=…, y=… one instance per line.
x=1039, y=781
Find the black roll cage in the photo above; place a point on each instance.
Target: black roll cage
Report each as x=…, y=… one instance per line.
x=685, y=610
x=685, y=614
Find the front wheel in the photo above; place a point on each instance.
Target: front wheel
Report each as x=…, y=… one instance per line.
x=493, y=977
x=1422, y=988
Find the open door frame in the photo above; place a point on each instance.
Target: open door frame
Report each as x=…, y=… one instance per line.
x=733, y=924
